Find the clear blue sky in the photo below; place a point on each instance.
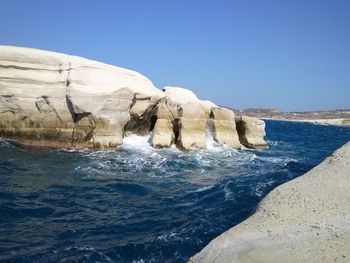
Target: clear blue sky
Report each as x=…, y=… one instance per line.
x=290, y=55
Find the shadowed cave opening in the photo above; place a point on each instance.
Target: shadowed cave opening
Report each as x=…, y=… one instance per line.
x=176, y=128
x=153, y=123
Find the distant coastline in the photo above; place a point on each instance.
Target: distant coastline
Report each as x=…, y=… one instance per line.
x=338, y=122
x=331, y=117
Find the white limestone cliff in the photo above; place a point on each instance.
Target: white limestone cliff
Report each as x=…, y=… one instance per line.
x=57, y=100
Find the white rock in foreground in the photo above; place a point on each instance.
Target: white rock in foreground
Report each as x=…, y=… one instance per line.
x=304, y=220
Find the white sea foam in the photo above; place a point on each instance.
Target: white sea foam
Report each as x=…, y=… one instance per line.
x=283, y=160
x=141, y=158
x=229, y=195
x=136, y=141
x=202, y=189
x=143, y=143
x=274, y=142
x=211, y=143
x=140, y=144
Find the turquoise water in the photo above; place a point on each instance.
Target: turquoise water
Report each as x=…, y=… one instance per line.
x=138, y=204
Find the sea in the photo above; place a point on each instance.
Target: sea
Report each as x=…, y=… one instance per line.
x=139, y=204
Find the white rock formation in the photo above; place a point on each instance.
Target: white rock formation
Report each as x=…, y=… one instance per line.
x=304, y=220
x=192, y=122
x=57, y=100
x=163, y=134
x=224, y=127
x=251, y=132
x=165, y=117
x=183, y=96
x=193, y=117
x=180, y=95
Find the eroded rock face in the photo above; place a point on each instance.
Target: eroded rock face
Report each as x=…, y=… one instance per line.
x=52, y=99
x=193, y=118
x=224, y=127
x=190, y=118
x=251, y=132
x=165, y=118
x=163, y=134
x=141, y=112
x=33, y=105
x=56, y=100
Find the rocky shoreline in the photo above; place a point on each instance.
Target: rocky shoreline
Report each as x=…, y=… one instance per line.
x=49, y=99
x=303, y=220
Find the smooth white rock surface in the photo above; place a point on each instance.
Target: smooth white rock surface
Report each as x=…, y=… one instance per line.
x=304, y=220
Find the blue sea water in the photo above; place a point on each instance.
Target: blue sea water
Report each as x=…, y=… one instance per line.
x=138, y=204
